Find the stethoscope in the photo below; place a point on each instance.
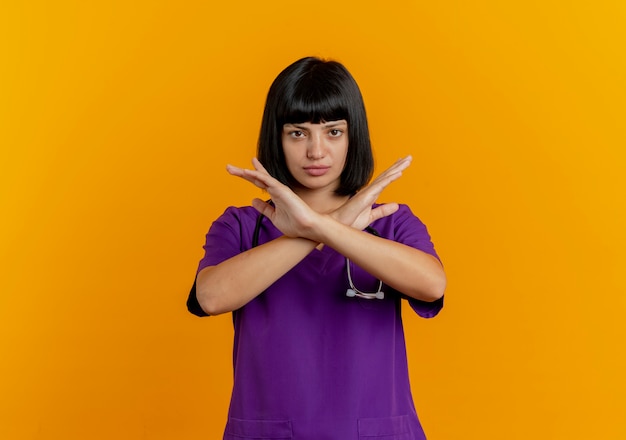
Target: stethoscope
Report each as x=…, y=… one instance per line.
x=352, y=290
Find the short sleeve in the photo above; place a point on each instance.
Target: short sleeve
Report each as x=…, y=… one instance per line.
x=409, y=230
x=223, y=241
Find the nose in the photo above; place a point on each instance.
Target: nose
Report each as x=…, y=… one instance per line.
x=315, y=147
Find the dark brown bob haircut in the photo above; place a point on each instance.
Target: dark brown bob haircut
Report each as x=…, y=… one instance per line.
x=314, y=90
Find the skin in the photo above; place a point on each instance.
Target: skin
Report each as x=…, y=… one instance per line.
x=309, y=215
x=316, y=156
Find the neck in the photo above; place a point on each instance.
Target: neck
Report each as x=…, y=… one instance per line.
x=321, y=201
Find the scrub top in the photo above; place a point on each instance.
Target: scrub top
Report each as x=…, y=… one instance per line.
x=310, y=362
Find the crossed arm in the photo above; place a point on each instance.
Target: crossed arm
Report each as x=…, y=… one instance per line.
x=236, y=281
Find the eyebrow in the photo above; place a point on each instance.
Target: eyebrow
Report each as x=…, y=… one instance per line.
x=335, y=124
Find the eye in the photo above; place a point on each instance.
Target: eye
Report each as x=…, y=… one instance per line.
x=296, y=134
x=335, y=132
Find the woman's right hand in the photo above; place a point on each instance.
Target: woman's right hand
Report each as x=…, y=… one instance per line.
x=357, y=211
x=289, y=213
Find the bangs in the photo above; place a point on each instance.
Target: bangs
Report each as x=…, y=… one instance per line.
x=314, y=103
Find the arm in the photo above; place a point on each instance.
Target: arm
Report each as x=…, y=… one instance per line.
x=406, y=269
x=236, y=281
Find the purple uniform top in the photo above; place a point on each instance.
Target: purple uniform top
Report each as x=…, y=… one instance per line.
x=310, y=362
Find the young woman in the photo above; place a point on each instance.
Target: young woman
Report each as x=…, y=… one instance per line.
x=314, y=277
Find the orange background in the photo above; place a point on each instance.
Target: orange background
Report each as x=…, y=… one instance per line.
x=117, y=120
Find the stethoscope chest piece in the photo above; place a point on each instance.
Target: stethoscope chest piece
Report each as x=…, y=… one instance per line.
x=354, y=292
x=351, y=293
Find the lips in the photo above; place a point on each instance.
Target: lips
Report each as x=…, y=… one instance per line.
x=316, y=170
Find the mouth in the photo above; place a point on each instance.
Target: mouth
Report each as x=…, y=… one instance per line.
x=316, y=170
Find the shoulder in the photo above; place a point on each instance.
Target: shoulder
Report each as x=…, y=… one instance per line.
x=401, y=216
x=240, y=215
x=241, y=211
x=405, y=227
x=235, y=222
x=229, y=234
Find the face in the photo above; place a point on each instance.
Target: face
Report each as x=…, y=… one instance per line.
x=316, y=153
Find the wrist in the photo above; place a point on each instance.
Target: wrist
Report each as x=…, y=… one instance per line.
x=325, y=227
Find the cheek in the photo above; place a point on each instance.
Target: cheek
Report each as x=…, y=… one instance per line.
x=291, y=159
x=344, y=153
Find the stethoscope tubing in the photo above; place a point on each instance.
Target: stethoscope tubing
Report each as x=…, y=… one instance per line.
x=352, y=290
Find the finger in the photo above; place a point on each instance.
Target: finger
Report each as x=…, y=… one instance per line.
x=404, y=163
x=399, y=165
x=245, y=174
x=383, y=211
x=241, y=172
x=258, y=180
x=381, y=182
x=392, y=173
x=258, y=165
x=233, y=170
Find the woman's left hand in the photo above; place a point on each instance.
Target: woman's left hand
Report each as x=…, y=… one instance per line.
x=358, y=212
